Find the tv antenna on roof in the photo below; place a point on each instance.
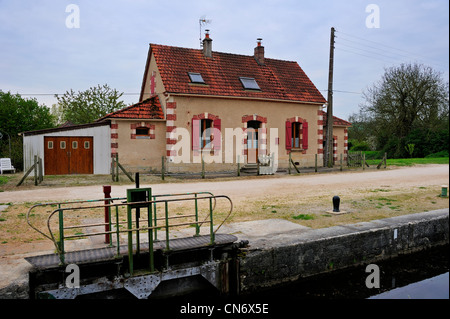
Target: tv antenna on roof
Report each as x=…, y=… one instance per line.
x=203, y=21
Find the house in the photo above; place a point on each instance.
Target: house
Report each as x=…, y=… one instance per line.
x=199, y=105
x=204, y=93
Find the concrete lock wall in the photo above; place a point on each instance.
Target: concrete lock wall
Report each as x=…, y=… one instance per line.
x=288, y=258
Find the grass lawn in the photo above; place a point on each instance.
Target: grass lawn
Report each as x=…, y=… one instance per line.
x=411, y=161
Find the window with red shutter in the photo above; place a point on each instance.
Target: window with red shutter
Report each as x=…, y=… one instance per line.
x=305, y=135
x=288, y=135
x=217, y=140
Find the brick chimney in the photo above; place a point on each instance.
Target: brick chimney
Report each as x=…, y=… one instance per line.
x=207, y=45
x=259, y=52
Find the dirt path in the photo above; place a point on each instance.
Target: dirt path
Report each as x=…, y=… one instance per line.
x=343, y=183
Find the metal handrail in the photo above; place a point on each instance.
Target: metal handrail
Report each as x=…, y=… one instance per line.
x=59, y=205
x=59, y=245
x=97, y=200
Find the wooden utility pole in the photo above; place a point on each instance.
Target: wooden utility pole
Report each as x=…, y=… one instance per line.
x=328, y=160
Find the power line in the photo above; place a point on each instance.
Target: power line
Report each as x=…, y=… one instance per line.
x=410, y=55
x=387, y=46
x=370, y=52
x=365, y=55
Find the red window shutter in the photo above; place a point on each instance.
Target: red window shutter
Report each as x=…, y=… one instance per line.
x=288, y=135
x=217, y=125
x=305, y=135
x=195, y=135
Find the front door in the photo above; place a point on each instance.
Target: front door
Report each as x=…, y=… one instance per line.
x=252, y=141
x=68, y=155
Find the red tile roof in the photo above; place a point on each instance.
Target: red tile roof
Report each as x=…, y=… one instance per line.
x=281, y=80
x=336, y=120
x=147, y=109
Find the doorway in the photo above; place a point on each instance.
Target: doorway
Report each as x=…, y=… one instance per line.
x=68, y=155
x=252, y=141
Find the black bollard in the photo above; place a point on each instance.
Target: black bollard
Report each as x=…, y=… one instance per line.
x=336, y=202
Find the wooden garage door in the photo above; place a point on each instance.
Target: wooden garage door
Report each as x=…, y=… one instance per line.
x=68, y=155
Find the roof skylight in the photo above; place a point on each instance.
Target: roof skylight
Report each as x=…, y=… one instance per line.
x=249, y=83
x=196, y=77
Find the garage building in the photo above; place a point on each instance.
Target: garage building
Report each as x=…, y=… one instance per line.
x=70, y=149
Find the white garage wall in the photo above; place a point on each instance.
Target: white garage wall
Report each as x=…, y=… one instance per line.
x=34, y=145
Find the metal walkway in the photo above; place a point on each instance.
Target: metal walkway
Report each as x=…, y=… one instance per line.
x=110, y=253
x=141, y=261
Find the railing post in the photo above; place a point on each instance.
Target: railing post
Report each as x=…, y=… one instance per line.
x=117, y=231
x=211, y=226
x=130, y=235
x=138, y=215
x=197, y=227
x=107, y=192
x=61, y=236
x=155, y=219
x=167, y=225
x=150, y=234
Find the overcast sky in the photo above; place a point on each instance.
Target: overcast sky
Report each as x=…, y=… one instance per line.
x=43, y=52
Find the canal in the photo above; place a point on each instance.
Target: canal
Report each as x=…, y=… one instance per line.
x=422, y=275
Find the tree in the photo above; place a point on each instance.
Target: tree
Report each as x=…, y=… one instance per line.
x=88, y=106
x=407, y=98
x=20, y=115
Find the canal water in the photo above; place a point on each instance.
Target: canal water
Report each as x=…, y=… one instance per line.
x=422, y=275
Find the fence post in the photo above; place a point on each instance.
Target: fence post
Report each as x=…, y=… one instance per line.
x=364, y=161
x=385, y=158
x=107, y=192
x=203, y=168
x=35, y=170
x=238, y=166
x=341, y=162
x=257, y=166
x=289, y=169
x=315, y=169
x=112, y=168
x=163, y=169
x=117, y=167
x=41, y=177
